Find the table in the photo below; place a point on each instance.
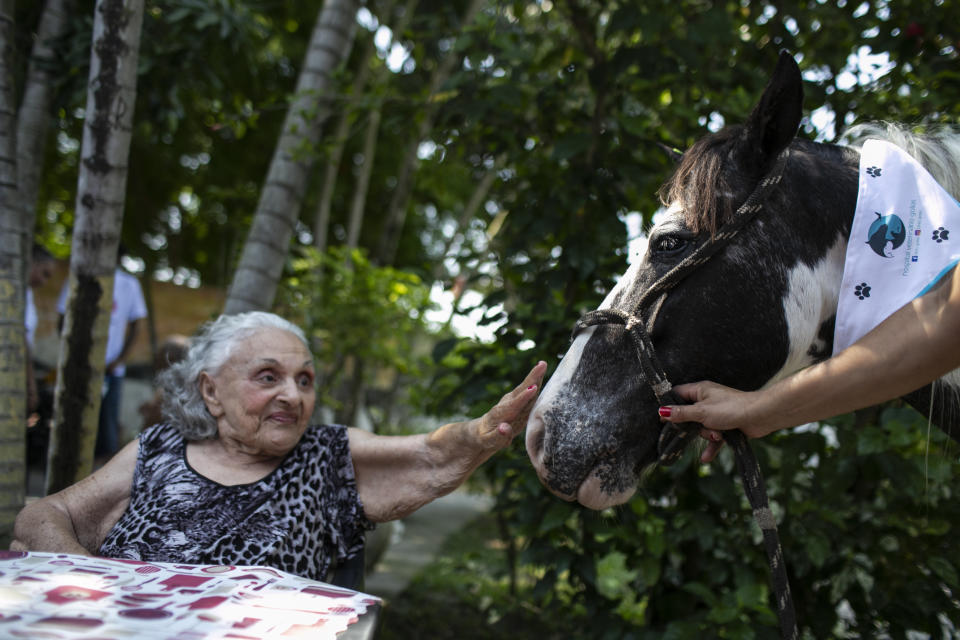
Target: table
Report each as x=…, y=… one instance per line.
x=66, y=597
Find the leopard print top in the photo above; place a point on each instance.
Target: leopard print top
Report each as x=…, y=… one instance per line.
x=303, y=518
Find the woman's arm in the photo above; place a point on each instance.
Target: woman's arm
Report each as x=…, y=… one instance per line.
x=77, y=519
x=396, y=475
x=914, y=346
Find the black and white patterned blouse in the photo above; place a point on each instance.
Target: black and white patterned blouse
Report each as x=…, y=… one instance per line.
x=303, y=518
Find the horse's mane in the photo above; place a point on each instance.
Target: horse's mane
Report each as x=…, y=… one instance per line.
x=937, y=149
x=699, y=183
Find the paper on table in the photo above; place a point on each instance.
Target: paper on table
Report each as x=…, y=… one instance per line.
x=70, y=596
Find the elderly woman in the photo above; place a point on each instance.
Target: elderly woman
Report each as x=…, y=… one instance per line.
x=237, y=475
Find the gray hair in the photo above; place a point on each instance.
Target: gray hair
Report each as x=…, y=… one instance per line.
x=183, y=405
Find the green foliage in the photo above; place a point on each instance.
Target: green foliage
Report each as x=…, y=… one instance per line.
x=570, y=96
x=355, y=312
x=871, y=517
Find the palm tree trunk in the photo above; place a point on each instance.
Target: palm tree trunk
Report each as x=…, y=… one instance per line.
x=101, y=188
x=13, y=381
x=321, y=218
x=261, y=262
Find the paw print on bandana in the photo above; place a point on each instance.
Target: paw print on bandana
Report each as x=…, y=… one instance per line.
x=862, y=290
x=941, y=234
x=873, y=172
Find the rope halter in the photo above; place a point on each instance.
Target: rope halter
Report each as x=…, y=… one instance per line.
x=673, y=438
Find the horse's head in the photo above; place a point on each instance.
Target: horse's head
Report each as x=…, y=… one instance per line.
x=762, y=307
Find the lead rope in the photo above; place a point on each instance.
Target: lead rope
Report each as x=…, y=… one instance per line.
x=674, y=437
x=756, y=492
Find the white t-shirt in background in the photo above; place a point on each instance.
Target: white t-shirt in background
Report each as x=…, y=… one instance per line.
x=128, y=306
x=30, y=318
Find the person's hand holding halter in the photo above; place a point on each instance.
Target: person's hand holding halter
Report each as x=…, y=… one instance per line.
x=916, y=345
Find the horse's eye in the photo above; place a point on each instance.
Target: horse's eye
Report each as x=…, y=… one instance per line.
x=668, y=244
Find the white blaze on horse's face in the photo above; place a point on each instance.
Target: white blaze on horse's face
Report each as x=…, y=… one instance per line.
x=554, y=398
x=595, y=491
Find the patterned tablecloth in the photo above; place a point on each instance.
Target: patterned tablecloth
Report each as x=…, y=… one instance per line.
x=55, y=595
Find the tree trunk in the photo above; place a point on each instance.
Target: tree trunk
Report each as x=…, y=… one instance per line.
x=13, y=381
x=321, y=219
x=359, y=203
x=34, y=116
x=352, y=392
x=322, y=216
x=261, y=263
x=151, y=318
x=101, y=188
x=397, y=209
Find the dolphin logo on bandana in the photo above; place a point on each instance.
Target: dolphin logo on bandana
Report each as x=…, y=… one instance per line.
x=886, y=230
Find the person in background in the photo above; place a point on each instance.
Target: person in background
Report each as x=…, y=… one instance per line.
x=41, y=268
x=128, y=309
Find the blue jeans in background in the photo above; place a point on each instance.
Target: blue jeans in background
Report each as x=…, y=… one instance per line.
x=108, y=430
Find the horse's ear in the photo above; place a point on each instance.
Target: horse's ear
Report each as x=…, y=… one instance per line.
x=775, y=119
x=673, y=153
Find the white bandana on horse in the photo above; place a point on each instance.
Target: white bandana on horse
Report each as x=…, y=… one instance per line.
x=905, y=236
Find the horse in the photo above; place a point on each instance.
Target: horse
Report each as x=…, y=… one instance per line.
x=762, y=307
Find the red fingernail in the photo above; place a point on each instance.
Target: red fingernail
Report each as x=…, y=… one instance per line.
x=664, y=412
x=533, y=386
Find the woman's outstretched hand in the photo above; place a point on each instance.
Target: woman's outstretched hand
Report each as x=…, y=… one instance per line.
x=718, y=408
x=396, y=475
x=508, y=417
